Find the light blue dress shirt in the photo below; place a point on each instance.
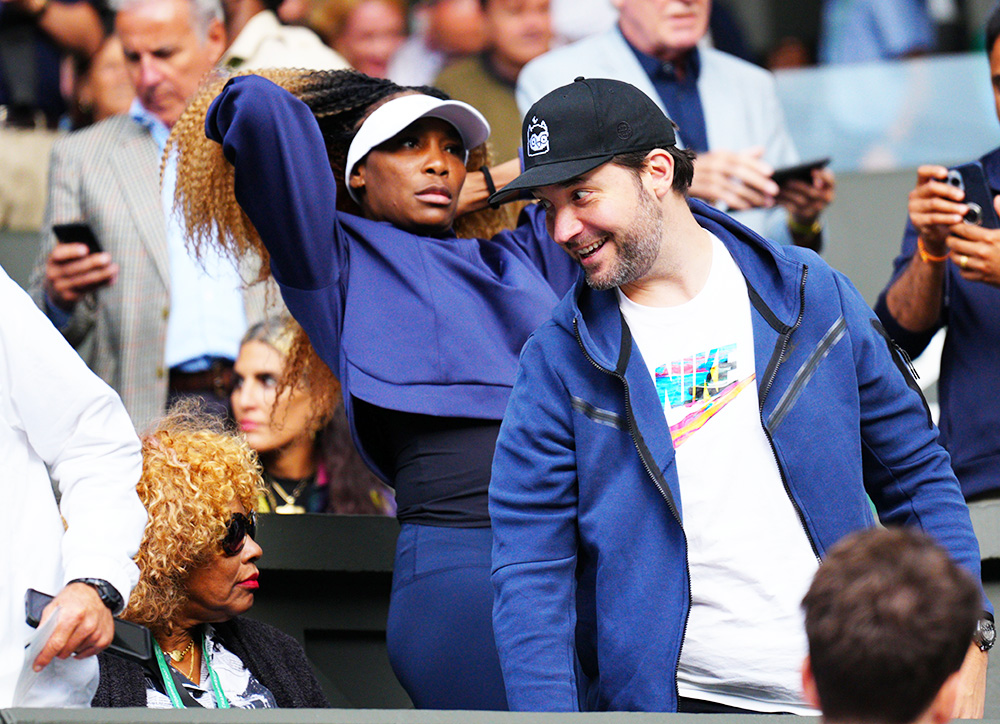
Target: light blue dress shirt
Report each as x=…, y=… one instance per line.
x=207, y=317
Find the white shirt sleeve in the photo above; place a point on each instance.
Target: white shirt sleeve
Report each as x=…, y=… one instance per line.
x=71, y=421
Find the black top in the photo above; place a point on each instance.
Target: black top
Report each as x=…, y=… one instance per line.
x=440, y=466
x=274, y=657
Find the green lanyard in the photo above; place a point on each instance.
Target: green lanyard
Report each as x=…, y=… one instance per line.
x=221, y=702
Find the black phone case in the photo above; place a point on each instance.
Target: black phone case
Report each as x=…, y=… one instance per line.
x=131, y=641
x=978, y=196
x=802, y=171
x=34, y=603
x=77, y=233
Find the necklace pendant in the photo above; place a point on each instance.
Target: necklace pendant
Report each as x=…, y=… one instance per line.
x=178, y=656
x=289, y=509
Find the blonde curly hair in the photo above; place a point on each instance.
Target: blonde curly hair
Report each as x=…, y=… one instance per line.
x=192, y=471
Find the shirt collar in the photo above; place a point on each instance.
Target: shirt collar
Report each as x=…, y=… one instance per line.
x=262, y=26
x=655, y=67
x=138, y=113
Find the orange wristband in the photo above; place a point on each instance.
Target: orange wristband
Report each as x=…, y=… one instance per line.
x=926, y=256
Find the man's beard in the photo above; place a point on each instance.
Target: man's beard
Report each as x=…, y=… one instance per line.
x=637, y=246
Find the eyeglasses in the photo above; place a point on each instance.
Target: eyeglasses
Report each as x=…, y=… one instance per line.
x=239, y=527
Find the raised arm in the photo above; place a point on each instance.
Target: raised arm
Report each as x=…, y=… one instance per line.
x=911, y=306
x=283, y=179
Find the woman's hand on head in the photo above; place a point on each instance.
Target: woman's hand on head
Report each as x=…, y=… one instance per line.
x=475, y=193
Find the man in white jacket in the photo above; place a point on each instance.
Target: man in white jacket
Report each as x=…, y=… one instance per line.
x=728, y=111
x=58, y=419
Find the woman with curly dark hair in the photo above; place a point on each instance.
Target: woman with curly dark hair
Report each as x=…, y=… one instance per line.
x=352, y=186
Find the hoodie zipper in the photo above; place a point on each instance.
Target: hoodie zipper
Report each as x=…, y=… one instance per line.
x=634, y=432
x=785, y=337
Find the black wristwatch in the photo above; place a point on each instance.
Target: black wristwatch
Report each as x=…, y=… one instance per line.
x=109, y=594
x=986, y=633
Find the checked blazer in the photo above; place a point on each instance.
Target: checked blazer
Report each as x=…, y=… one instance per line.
x=108, y=175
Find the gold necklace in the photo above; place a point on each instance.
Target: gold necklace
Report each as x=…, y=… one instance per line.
x=178, y=656
x=190, y=674
x=290, y=505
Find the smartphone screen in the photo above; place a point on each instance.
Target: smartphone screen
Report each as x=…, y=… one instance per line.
x=77, y=233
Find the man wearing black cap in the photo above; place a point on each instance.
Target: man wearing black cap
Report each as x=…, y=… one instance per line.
x=701, y=420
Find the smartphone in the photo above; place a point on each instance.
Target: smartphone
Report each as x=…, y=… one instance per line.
x=969, y=177
x=800, y=172
x=77, y=233
x=131, y=641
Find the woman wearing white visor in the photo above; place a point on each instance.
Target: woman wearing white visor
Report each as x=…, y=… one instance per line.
x=422, y=328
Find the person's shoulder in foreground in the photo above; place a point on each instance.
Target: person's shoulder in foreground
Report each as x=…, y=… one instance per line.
x=62, y=429
x=889, y=617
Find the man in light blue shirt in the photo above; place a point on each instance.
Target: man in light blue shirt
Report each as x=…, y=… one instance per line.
x=148, y=317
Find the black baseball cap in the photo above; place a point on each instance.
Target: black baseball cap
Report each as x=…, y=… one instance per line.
x=576, y=128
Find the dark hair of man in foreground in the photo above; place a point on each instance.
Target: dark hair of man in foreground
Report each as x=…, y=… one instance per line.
x=889, y=617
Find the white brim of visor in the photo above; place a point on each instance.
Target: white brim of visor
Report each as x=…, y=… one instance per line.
x=392, y=117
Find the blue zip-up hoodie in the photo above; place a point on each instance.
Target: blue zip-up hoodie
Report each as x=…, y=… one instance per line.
x=971, y=312
x=589, y=557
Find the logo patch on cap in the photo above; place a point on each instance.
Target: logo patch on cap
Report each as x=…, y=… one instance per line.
x=624, y=131
x=538, y=137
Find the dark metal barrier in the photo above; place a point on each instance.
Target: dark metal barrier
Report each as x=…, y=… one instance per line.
x=341, y=716
x=326, y=580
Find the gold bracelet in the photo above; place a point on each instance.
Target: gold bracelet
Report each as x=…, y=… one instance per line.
x=926, y=257
x=812, y=229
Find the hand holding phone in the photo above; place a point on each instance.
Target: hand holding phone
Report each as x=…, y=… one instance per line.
x=971, y=180
x=72, y=271
x=131, y=641
x=737, y=180
x=77, y=232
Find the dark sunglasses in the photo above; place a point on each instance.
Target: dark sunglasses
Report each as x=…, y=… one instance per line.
x=239, y=527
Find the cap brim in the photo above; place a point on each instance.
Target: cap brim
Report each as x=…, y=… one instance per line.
x=469, y=122
x=548, y=174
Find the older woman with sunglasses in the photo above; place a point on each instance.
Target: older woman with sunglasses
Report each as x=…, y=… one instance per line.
x=198, y=574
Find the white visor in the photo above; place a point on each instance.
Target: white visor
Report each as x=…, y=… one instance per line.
x=392, y=117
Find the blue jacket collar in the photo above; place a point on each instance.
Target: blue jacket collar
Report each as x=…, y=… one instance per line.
x=991, y=166
x=773, y=274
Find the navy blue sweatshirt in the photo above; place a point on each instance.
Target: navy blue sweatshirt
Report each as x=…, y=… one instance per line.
x=415, y=324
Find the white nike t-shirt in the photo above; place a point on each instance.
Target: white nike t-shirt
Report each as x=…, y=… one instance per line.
x=749, y=558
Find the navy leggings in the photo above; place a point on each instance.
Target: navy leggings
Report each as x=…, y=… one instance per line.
x=440, y=628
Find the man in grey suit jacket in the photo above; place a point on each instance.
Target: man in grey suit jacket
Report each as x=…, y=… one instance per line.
x=727, y=110
x=149, y=319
